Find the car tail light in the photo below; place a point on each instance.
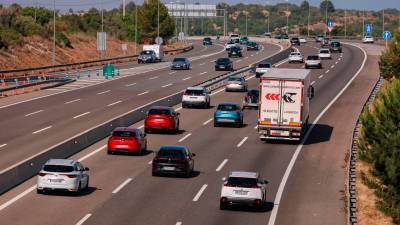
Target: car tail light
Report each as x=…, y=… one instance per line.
x=224, y=199
x=70, y=175
x=258, y=202
x=42, y=174
x=228, y=185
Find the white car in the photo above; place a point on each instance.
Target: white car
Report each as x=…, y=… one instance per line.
x=243, y=188
x=368, y=39
x=236, y=83
x=302, y=40
x=313, y=61
x=63, y=175
x=196, y=96
x=325, y=53
x=296, y=57
x=230, y=44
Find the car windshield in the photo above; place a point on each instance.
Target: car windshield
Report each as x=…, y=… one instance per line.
x=264, y=65
x=147, y=52
x=159, y=112
x=253, y=92
x=235, y=79
x=312, y=57
x=194, y=92
x=170, y=153
x=242, y=182
x=295, y=39
x=234, y=49
x=58, y=168
x=222, y=60
x=224, y=107
x=207, y=39
x=324, y=51
x=123, y=134
x=179, y=60
x=252, y=44
x=335, y=44
x=368, y=37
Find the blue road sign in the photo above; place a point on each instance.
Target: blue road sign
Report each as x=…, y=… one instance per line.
x=368, y=28
x=330, y=24
x=386, y=35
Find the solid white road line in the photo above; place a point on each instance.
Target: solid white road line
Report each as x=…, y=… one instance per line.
x=167, y=85
x=219, y=168
x=285, y=177
x=203, y=73
x=41, y=130
x=321, y=76
x=75, y=100
x=198, y=195
x=172, y=72
x=242, y=141
x=92, y=153
x=186, y=136
x=246, y=57
x=209, y=120
x=114, y=103
x=100, y=93
x=80, y=115
x=80, y=222
x=140, y=127
x=143, y=93
x=312, y=83
x=2, y=145
x=281, y=62
x=187, y=78
x=30, y=114
x=333, y=66
x=327, y=71
x=178, y=223
x=152, y=78
x=150, y=162
x=128, y=85
x=16, y=198
x=116, y=190
x=239, y=60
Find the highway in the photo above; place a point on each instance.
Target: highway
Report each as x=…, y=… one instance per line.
x=124, y=192
x=61, y=116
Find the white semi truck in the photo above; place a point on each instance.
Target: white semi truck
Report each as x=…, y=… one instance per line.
x=284, y=104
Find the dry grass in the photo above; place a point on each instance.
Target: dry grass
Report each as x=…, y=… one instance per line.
x=367, y=213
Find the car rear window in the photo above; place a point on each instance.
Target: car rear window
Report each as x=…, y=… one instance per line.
x=242, y=182
x=235, y=79
x=58, y=168
x=295, y=39
x=159, y=112
x=207, y=39
x=335, y=44
x=312, y=57
x=264, y=65
x=179, y=60
x=227, y=107
x=295, y=53
x=324, y=51
x=170, y=153
x=124, y=134
x=222, y=60
x=194, y=92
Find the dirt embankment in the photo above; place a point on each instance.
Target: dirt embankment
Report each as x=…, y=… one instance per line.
x=38, y=51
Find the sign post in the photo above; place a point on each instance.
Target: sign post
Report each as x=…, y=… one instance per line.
x=386, y=36
x=101, y=42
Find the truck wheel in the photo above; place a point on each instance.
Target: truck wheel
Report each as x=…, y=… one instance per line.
x=222, y=206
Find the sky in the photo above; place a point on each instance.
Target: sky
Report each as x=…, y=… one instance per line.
x=86, y=4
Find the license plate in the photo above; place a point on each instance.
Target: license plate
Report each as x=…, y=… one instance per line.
x=121, y=146
x=240, y=192
x=55, y=180
x=158, y=120
x=192, y=97
x=168, y=168
x=279, y=133
x=221, y=66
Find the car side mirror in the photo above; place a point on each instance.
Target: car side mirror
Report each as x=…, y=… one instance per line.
x=311, y=92
x=86, y=168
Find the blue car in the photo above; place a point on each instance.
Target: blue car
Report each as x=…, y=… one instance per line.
x=228, y=113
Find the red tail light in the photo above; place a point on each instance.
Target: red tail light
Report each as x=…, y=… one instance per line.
x=224, y=199
x=258, y=202
x=42, y=174
x=70, y=175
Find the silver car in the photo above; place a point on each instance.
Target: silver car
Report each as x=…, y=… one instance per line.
x=180, y=63
x=62, y=175
x=236, y=83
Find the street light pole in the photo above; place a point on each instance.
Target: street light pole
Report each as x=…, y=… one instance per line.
x=54, y=33
x=383, y=20
x=287, y=17
x=363, y=22
x=136, y=28
x=308, y=20
x=158, y=18
x=345, y=23
x=246, y=23
x=326, y=15
x=102, y=27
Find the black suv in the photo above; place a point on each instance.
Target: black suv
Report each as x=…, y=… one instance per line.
x=295, y=41
x=235, y=52
x=207, y=41
x=223, y=64
x=335, y=46
x=177, y=160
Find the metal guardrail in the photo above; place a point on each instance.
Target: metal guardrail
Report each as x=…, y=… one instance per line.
x=351, y=183
x=85, y=63
x=13, y=176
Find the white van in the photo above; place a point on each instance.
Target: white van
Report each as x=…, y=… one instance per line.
x=158, y=49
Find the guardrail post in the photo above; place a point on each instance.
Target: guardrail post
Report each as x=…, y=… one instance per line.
x=118, y=72
x=97, y=72
x=78, y=74
x=88, y=74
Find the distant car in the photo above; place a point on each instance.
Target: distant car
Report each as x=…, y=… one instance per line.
x=147, y=56
x=223, y=64
x=296, y=57
x=368, y=40
x=236, y=83
x=267, y=34
x=284, y=36
x=244, y=40
x=62, y=175
x=262, y=68
x=230, y=44
x=319, y=38
x=180, y=63
x=251, y=99
x=252, y=46
x=207, y=41
x=235, y=52
x=196, y=96
x=335, y=46
x=161, y=118
x=173, y=160
x=127, y=140
x=243, y=188
x=313, y=61
x=302, y=40
x=228, y=113
x=325, y=53
x=325, y=43
x=295, y=41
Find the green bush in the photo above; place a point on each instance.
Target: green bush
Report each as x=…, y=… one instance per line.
x=62, y=40
x=389, y=63
x=9, y=37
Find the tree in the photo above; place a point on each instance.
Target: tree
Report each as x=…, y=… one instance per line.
x=389, y=63
x=148, y=20
x=304, y=6
x=327, y=3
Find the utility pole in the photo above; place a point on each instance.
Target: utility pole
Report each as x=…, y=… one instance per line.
x=35, y=10
x=102, y=27
x=136, y=28
x=287, y=17
x=158, y=18
x=54, y=33
x=246, y=22
x=383, y=20
x=345, y=23
x=326, y=15
x=363, y=22
x=123, y=8
x=308, y=20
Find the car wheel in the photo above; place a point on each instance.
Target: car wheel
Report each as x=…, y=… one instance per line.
x=222, y=206
x=154, y=173
x=216, y=123
x=306, y=67
x=87, y=185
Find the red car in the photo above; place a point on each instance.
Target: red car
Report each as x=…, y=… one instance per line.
x=161, y=118
x=127, y=140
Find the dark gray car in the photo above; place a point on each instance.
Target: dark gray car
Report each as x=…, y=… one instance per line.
x=180, y=63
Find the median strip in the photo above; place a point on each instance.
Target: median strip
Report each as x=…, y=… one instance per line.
x=198, y=195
